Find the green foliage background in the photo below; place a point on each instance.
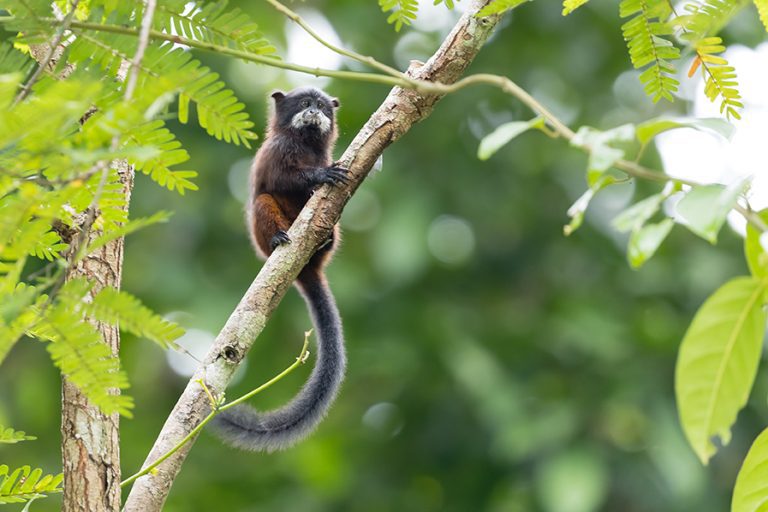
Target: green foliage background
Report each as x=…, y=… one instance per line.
x=535, y=375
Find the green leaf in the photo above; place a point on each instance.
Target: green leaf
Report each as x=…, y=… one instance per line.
x=578, y=208
x=113, y=306
x=211, y=22
x=495, y=140
x=717, y=362
x=605, y=147
x=24, y=484
x=644, y=241
x=751, y=493
x=10, y=436
x=403, y=11
x=128, y=228
x=645, y=35
x=571, y=5
x=638, y=214
x=650, y=129
x=500, y=7
x=720, y=77
x=81, y=354
x=705, y=208
x=757, y=255
x=762, y=10
x=18, y=312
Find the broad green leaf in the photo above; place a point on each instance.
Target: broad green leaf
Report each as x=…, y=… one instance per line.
x=638, y=214
x=705, y=208
x=751, y=492
x=644, y=241
x=717, y=362
x=605, y=147
x=648, y=130
x=495, y=140
x=757, y=255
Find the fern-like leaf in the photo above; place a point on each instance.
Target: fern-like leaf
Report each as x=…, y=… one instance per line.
x=111, y=306
x=128, y=228
x=403, y=11
x=79, y=351
x=167, y=71
x=707, y=17
x=644, y=34
x=500, y=7
x=13, y=61
x=700, y=25
x=24, y=484
x=571, y=5
x=10, y=436
x=720, y=77
x=212, y=23
x=762, y=10
x=154, y=133
x=112, y=202
x=448, y=3
x=19, y=311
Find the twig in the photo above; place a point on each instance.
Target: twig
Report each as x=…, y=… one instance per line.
x=217, y=409
x=52, y=47
x=146, y=25
x=365, y=59
x=405, y=81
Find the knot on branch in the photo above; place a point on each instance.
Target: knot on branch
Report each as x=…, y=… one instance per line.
x=230, y=354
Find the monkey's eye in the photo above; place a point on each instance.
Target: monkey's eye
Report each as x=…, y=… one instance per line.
x=304, y=103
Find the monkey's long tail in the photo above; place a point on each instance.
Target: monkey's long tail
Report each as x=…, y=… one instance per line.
x=244, y=427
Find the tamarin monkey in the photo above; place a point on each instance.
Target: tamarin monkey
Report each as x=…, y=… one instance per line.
x=293, y=161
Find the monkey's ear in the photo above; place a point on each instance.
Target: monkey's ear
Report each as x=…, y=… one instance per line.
x=278, y=95
x=335, y=103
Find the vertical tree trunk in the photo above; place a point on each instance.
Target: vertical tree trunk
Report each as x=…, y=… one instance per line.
x=90, y=440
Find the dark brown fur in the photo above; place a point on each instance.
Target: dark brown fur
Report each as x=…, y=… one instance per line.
x=294, y=159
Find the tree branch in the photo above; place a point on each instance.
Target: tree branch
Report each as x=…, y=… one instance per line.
x=400, y=110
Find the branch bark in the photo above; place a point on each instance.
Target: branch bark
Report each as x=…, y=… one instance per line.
x=401, y=109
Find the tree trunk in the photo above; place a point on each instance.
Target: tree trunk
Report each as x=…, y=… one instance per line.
x=90, y=440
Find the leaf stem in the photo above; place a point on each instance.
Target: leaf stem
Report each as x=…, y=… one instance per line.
x=217, y=409
x=365, y=59
x=53, y=45
x=404, y=81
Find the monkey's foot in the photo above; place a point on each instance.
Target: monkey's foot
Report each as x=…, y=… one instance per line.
x=280, y=238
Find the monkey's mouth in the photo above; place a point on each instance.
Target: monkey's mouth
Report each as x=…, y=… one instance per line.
x=311, y=119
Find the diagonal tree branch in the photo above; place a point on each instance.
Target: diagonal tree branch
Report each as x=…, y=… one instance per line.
x=401, y=109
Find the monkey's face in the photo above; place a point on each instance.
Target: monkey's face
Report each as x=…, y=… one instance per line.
x=305, y=109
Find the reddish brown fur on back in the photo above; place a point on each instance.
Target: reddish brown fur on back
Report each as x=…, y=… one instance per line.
x=277, y=193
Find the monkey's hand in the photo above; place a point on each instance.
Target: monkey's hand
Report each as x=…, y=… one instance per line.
x=280, y=238
x=332, y=175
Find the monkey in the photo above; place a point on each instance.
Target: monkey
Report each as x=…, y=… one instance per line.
x=294, y=159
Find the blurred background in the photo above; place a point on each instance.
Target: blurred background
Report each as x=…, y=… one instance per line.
x=494, y=364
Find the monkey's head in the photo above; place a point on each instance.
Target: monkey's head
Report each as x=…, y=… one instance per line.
x=306, y=110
